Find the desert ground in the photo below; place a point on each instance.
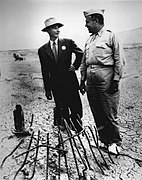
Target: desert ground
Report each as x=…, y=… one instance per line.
x=21, y=83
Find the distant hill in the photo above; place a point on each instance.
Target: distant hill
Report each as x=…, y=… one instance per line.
x=132, y=37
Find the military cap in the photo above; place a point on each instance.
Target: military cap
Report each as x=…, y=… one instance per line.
x=93, y=11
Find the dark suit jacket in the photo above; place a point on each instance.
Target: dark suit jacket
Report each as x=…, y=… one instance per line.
x=56, y=76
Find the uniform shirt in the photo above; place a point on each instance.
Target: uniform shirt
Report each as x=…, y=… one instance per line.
x=103, y=49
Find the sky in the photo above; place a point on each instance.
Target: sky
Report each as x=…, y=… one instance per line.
x=21, y=21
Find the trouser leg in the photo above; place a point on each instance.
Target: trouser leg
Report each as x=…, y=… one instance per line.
x=71, y=108
x=61, y=112
x=76, y=111
x=114, y=102
x=100, y=104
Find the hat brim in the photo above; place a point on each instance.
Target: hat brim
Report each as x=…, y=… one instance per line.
x=45, y=29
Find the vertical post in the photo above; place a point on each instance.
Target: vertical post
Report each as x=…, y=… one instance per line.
x=19, y=122
x=18, y=118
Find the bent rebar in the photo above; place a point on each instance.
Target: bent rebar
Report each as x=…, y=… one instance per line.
x=97, y=162
x=70, y=134
x=97, y=146
x=11, y=152
x=65, y=157
x=72, y=149
x=25, y=157
x=42, y=145
x=35, y=156
x=47, y=156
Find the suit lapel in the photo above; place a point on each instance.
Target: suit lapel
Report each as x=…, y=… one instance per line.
x=49, y=51
x=60, y=43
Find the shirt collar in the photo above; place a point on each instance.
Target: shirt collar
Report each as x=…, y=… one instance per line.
x=101, y=31
x=56, y=41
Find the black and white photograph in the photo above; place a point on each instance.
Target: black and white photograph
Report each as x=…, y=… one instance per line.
x=70, y=90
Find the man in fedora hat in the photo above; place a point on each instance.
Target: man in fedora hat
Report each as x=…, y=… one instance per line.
x=101, y=66
x=59, y=77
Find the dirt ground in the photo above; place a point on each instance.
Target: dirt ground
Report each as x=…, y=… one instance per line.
x=21, y=83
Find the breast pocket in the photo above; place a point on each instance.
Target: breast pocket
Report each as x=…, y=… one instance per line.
x=102, y=49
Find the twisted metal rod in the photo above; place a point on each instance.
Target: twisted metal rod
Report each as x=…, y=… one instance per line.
x=97, y=146
x=65, y=157
x=71, y=144
x=36, y=154
x=25, y=157
x=59, y=157
x=70, y=134
x=42, y=145
x=47, y=156
x=97, y=162
x=109, y=155
x=11, y=152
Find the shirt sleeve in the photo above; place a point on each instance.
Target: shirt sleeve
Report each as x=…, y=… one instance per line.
x=83, y=67
x=118, y=56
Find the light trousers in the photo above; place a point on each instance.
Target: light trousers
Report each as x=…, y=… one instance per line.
x=103, y=105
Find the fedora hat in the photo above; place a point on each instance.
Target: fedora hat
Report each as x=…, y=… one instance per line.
x=50, y=22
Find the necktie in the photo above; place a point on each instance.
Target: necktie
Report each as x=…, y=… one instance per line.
x=55, y=51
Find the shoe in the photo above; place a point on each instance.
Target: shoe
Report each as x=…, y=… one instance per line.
x=114, y=149
x=99, y=144
x=21, y=133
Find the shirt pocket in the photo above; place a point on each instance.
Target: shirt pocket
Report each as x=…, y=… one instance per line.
x=103, y=49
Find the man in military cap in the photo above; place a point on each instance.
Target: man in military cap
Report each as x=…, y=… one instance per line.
x=102, y=68
x=59, y=77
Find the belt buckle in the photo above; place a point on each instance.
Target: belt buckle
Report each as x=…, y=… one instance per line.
x=92, y=66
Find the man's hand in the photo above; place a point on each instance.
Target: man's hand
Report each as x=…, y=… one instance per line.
x=82, y=87
x=72, y=68
x=48, y=96
x=114, y=87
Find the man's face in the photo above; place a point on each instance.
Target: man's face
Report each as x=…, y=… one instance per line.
x=54, y=31
x=91, y=25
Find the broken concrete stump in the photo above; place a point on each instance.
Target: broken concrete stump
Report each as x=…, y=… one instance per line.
x=19, y=122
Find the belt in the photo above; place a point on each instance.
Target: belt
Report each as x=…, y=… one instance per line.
x=99, y=66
